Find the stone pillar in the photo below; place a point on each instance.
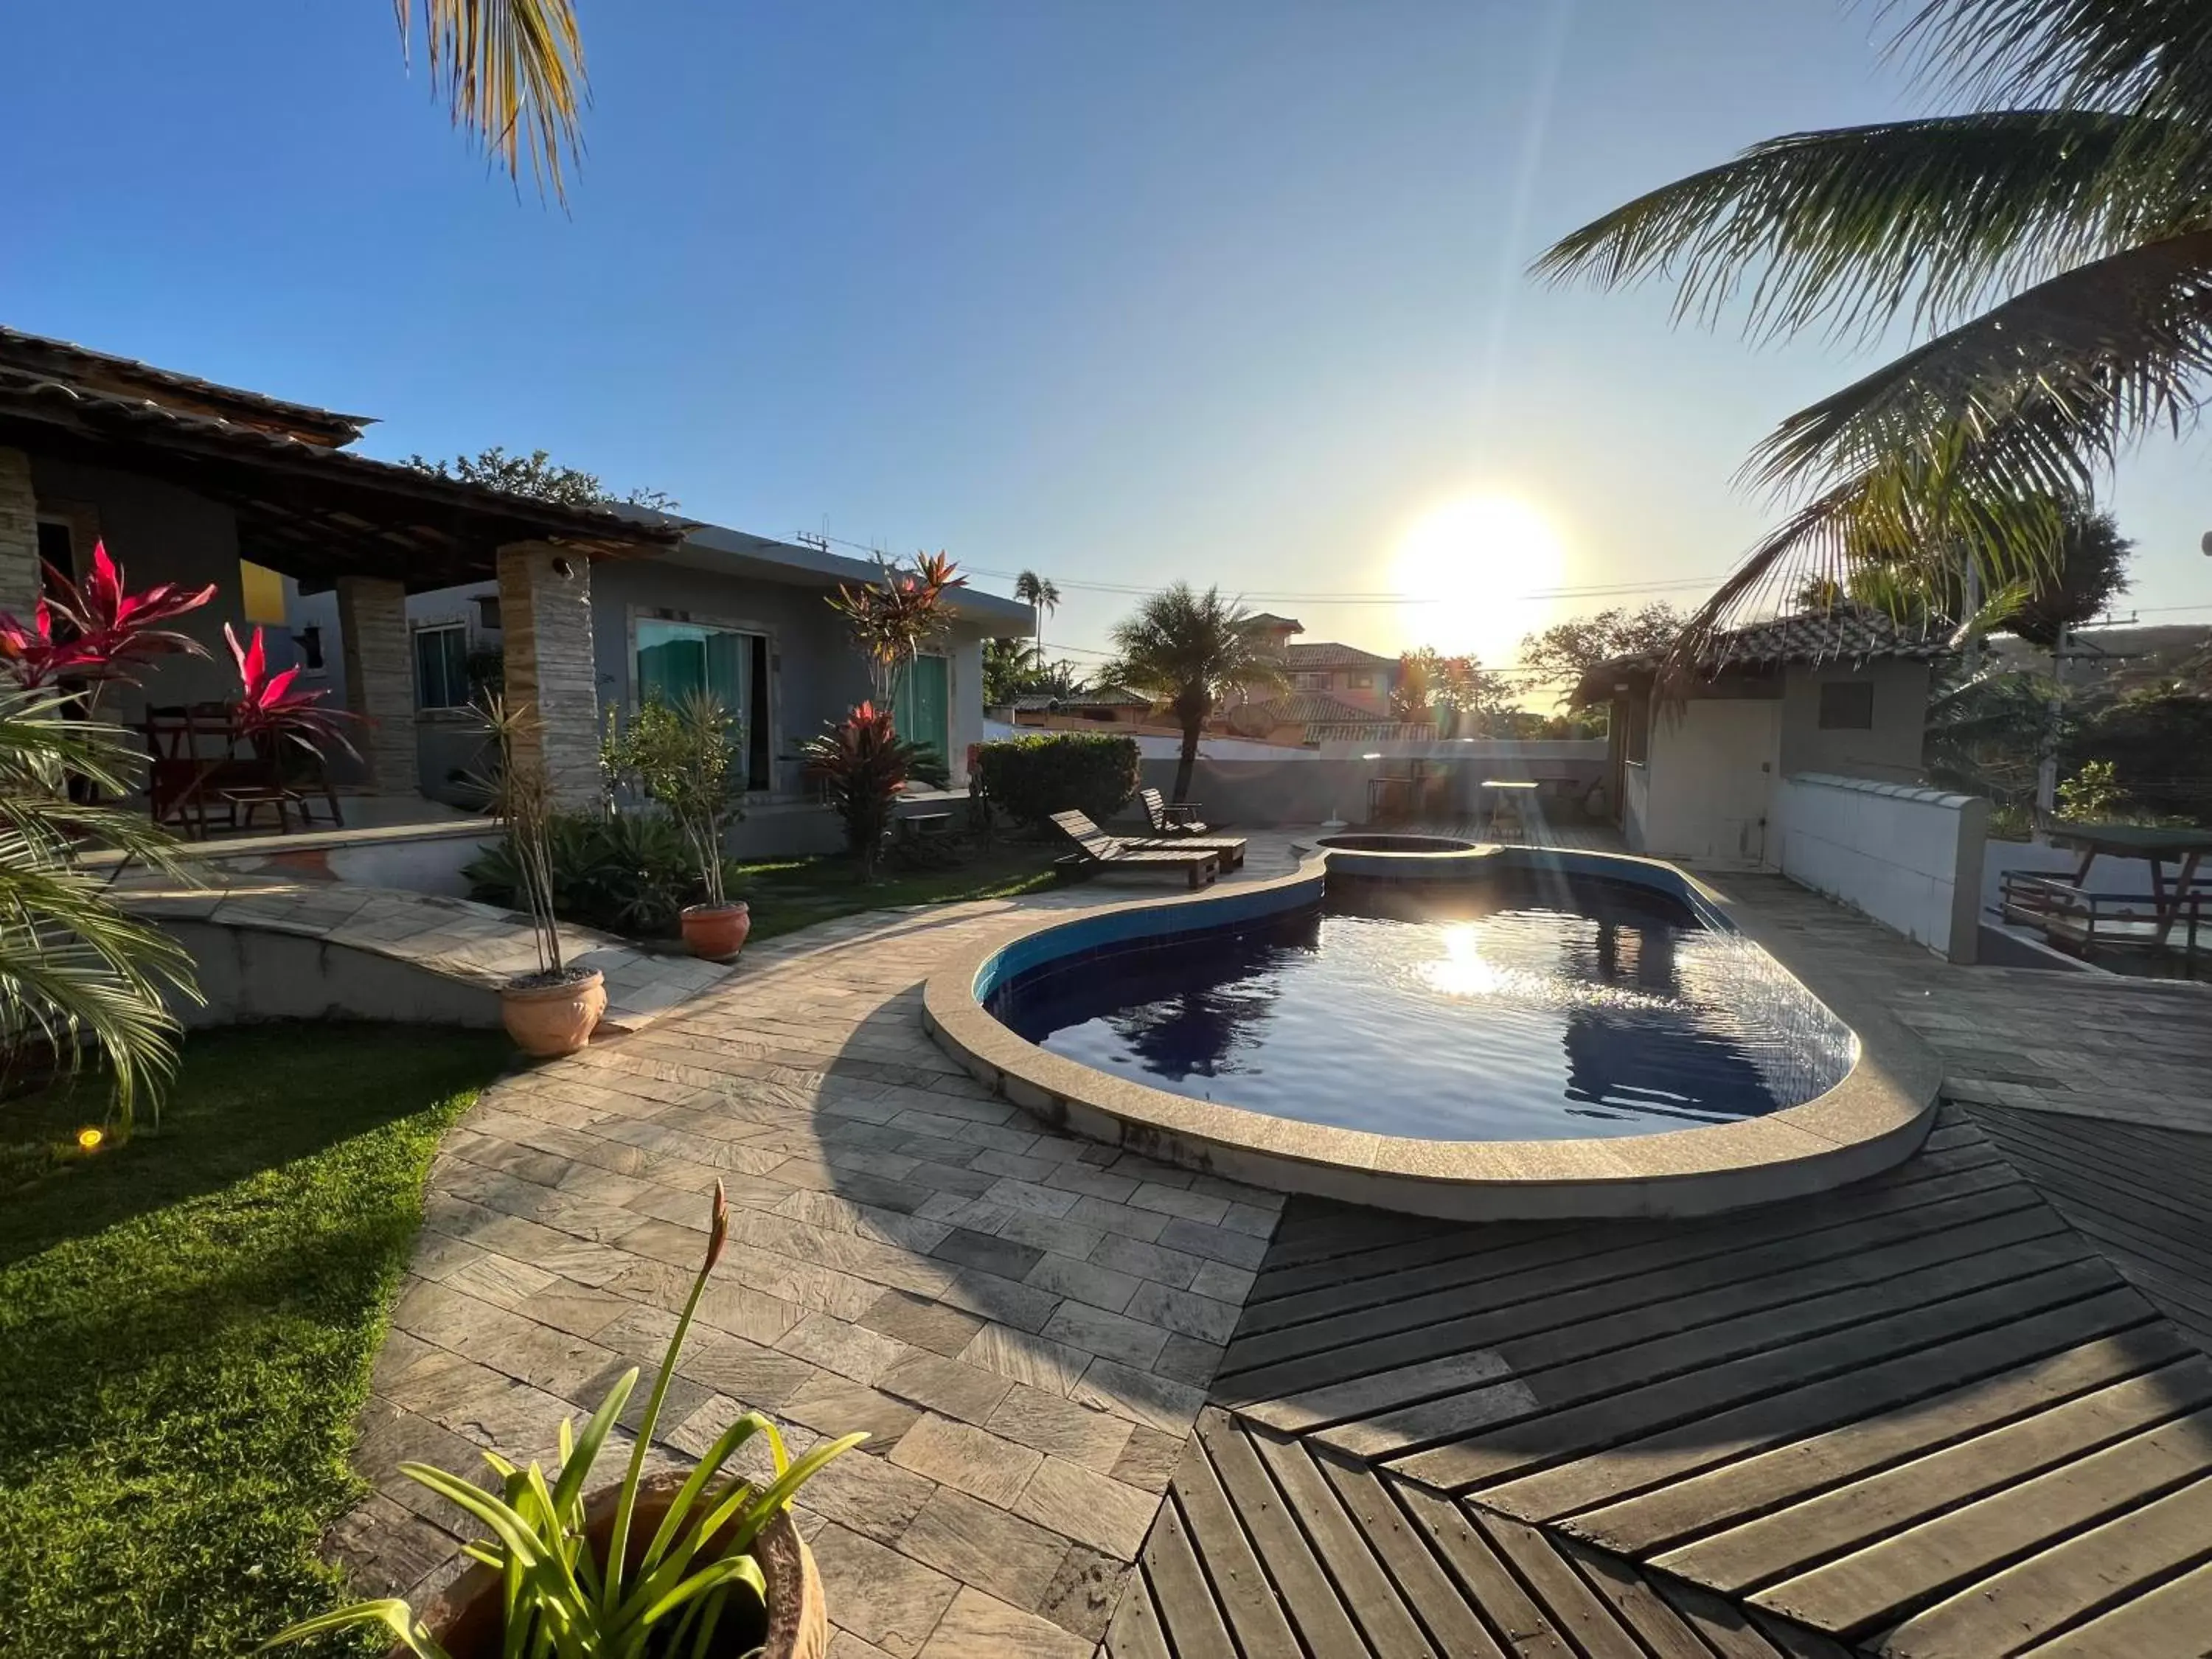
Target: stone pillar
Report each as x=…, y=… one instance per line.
x=19, y=536
x=546, y=622
x=379, y=674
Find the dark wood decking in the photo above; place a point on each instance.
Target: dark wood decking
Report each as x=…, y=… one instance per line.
x=1926, y=1415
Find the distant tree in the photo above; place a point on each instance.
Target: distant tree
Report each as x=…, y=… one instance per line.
x=1013, y=669
x=539, y=476
x=1428, y=683
x=1189, y=650
x=1562, y=654
x=1041, y=595
x=2092, y=569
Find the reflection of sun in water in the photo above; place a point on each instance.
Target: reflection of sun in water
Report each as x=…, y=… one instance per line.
x=1461, y=971
x=1463, y=568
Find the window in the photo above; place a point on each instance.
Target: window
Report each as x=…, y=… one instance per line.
x=488, y=611
x=442, y=666
x=1362, y=682
x=309, y=641
x=676, y=660
x=1846, y=705
x=1635, y=730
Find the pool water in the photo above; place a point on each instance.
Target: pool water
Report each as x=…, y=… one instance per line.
x=1522, y=1006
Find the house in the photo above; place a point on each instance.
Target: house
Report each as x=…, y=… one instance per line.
x=385, y=578
x=1108, y=705
x=743, y=616
x=1313, y=717
x=1343, y=673
x=1841, y=694
x=192, y=482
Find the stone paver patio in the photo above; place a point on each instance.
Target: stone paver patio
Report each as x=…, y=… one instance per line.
x=1027, y=1324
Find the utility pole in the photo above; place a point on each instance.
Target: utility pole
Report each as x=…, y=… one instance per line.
x=2046, y=770
x=1973, y=652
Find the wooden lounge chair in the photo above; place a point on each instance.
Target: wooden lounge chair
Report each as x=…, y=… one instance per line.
x=1096, y=850
x=1180, y=819
x=1192, y=834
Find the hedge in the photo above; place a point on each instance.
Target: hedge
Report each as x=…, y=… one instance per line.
x=1085, y=772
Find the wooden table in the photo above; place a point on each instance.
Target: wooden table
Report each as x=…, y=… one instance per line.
x=2149, y=842
x=1498, y=791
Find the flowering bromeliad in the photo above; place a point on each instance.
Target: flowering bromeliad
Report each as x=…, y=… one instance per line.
x=893, y=618
x=271, y=705
x=98, y=632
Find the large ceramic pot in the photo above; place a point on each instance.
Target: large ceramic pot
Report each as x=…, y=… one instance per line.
x=467, y=1623
x=716, y=932
x=547, y=1020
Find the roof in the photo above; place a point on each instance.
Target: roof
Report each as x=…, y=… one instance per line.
x=1271, y=623
x=1107, y=696
x=720, y=548
x=1327, y=654
x=1301, y=708
x=1845, y=634
x=127, y=377
x=303, y=506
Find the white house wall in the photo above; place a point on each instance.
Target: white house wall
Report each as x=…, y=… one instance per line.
x=1704, y=791
x=1890, y=750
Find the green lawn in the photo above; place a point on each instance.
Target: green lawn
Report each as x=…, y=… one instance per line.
x=187, y=1327
x=788, y=894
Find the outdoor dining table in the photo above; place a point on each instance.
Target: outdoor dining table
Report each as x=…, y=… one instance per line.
x=2149, y=842
x=1497, y=792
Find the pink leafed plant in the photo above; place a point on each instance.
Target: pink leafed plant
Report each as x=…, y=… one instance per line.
x=100, y=631
x=274, y=706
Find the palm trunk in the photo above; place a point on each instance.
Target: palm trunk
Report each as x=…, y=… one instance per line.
x=1186, y=761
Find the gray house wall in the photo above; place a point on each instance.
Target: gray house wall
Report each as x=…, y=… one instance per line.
x=1890, y=752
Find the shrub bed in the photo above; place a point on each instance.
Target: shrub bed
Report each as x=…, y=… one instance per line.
x=1032, y=778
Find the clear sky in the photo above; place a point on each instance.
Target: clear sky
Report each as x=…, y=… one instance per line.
x=1125, y=292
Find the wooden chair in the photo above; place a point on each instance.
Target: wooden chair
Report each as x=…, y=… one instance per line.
x=1179, y=819
x=1096, y=850
x=1192, y=834
x=193, y=751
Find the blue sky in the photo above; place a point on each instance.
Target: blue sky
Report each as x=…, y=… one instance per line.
x=1124, y=292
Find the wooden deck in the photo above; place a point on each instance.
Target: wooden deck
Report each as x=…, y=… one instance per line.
x=1936, y=1416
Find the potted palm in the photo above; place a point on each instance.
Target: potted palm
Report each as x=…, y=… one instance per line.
x=551, y=1011
x=687, y=759
x=706, y=1564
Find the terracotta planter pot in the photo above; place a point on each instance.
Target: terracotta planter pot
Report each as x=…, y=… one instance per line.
x=716, y=932
x=466, y=1620
x=547, y=1020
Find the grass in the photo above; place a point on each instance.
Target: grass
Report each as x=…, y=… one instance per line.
x=789, y=894
x=187, y=1324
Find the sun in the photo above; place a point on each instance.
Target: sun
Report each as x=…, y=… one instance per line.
x=1473, y=572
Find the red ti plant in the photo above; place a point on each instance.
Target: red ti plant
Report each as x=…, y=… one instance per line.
x=894, y=617
x=271, y=707
x=862, y=763
x=101, y=631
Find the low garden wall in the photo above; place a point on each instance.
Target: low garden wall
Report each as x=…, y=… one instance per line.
x=1312, y=787
x=250, y=974
x=1909, y=858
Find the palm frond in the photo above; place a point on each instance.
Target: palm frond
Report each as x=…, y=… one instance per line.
x=512, y=75
x=2154, y=57
x=2035, y=397
x=1853, y=226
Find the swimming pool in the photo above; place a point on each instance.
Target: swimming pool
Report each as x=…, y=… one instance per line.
x=1515, y=1005
x=1466, y=1030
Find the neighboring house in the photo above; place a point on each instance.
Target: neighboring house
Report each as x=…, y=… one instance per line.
x=1343, y=673
x=1110, y=705
x=189, y=481
x=1842, y=694
x=1313, y=717
x=744, y=617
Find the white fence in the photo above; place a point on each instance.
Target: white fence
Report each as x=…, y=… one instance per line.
x=1909, y=858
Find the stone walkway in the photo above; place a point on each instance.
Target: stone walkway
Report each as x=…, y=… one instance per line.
x=477, y=944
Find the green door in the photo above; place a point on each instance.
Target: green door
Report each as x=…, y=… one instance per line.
x=924, y=708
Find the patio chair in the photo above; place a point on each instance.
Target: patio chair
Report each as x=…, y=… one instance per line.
x=1231, y=847
x=1096, y=850
x=1179, y=819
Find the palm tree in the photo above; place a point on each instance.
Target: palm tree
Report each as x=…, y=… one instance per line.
x=2050, y=234
x=1188, y=649
x=513, y=74
x=77, y=974
x=1042, y=598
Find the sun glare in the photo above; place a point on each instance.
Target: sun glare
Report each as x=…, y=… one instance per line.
x=1467, y=569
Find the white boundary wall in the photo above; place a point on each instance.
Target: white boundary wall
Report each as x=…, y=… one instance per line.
x=1911, y=858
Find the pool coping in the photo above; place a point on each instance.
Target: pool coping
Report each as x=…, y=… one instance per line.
x=1874, y=1117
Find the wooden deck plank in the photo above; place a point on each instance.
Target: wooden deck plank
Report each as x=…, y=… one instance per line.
x=1582, y=1615
x=1727, y=1629
x=1876, y=1587
x=1756, y=1269
x=2169, y=1622
x=1312, y=1601
x=1522, y=1625
x=1707, y=1502
x=2057, y=1588
x=1755, y=1424
x=1180, y=1603
x=1792, y=1540
x=1662, y=1631
x=1136, y=1631
x=1435, y=1600
x=1369, y=1596
x=1644, y=1307
x=1255, y=1615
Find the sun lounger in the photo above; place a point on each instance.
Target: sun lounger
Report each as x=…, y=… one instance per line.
x=1096, y=850
x=1167, y=831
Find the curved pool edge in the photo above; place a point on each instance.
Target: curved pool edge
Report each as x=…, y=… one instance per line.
x=1874, y=1117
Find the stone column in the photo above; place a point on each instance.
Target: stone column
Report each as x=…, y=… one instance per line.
x=19, y=536
x=545, y=621
x=379, y=673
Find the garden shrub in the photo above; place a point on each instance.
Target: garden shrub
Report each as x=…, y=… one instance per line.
x=631, y=872
x=1086, y=772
